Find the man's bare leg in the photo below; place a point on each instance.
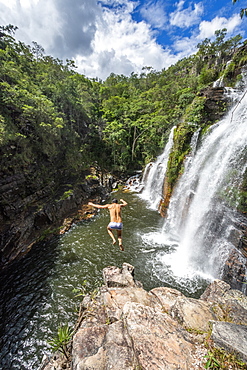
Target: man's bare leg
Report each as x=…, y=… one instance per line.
x=119, y=236
x=111, y=235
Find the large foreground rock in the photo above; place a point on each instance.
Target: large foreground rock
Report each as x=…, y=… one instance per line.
x=127, y=328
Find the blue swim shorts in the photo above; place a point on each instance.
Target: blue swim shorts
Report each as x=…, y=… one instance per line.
x=115, y=225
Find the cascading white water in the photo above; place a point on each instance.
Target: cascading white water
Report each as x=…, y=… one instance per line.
x=199, y=219
x=154, y=174
x=197, y=235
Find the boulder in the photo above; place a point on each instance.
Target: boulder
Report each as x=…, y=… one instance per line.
x=159, y=342
x=192, y=313
x=132, y=327
x=120, y=278
x=114, y=300
x=231, y=337
x=166, y=296
x=228, y=304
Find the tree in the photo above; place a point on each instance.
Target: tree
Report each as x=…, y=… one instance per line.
x=243, y=11
x=37, y=50
x=9, y=29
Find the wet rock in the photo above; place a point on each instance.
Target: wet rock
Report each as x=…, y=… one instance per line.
x=216, y=291
x=215, y=102
x=235, y=270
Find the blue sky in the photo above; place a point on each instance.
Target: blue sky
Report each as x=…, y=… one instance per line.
x=121, y=36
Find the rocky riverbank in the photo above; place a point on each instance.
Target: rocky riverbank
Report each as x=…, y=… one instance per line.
x=124, y=327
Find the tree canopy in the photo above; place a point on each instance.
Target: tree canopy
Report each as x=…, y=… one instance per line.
x=50, y=114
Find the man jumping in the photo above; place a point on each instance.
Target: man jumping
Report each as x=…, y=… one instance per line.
x=115, y=219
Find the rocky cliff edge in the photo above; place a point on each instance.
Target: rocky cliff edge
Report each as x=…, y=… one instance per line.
x=125, y=327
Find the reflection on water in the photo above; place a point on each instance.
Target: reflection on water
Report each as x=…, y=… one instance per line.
x=37, y=293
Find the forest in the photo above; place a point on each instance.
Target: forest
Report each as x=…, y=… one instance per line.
x=55, y=123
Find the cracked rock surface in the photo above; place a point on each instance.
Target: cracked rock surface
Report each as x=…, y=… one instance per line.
x=124, y=327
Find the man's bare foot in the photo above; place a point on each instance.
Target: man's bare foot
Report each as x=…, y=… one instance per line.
x=114, y=242
x=121, y=247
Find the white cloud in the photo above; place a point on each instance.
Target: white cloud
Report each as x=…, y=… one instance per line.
x=185, y=46
x=123, y=46
x=207, y=29
x=188, y=45
x=62, y=28
x=154, y=13
x=102, y=37
x=186, y=17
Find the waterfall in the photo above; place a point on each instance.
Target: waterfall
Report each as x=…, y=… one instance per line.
x=153, y=176
x=202, y=210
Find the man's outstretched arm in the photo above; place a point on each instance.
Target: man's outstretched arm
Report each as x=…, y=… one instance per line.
x=123, y=203
x=97, y=205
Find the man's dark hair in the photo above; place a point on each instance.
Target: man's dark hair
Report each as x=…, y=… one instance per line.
x=114, y=200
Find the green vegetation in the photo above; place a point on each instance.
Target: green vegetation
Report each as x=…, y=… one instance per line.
x=57, y=123
x=67, y=194
x=195, y=331
x=91, y=177
x=242, y=195
x=44, y=116
x=217, y=358
x=61, y=340
x=243, y=11
x=83, y=290
x=211, y=363
x=87, y=289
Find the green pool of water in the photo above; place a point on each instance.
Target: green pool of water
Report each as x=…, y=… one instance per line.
x=38, y=293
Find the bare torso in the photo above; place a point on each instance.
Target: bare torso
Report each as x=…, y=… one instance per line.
x=115, y=212
x=115, y=216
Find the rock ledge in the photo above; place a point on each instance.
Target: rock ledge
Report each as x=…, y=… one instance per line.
x=127, y=328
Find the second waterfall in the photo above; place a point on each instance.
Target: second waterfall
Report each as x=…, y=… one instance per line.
x=201, y=222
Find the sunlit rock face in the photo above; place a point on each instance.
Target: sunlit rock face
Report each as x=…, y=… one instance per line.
x=126, y=327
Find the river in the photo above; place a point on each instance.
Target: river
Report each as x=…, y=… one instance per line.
x=37, y=293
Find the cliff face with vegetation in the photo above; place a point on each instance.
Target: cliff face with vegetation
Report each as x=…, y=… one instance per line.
x=45, y=150
x=208, y=106
x=56, y=124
